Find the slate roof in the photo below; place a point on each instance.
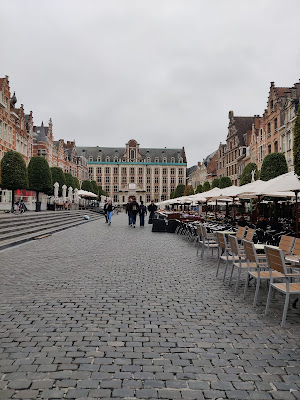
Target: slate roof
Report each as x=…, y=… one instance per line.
x=208, y=158
x=242, y=125
x=120, y=151
x=42, y=135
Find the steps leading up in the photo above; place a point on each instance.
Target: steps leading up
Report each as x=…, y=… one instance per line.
x=21, y=228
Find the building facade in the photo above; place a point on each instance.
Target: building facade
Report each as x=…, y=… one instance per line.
x=146, y=173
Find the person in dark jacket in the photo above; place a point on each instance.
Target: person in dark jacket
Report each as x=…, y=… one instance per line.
x=142, y=212
x=105, y=210
x=128, y=211
x=110, y=209
x=151, y=208
x=134, y=209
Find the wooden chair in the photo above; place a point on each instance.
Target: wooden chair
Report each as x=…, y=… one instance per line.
x=250, y=234
x=223, y=251
x=257, y=269
x=241, y=232
x=275, y=258
x=209, y=241
x=296, y=247
x=286, y=244
x=199, y=239
x=238, y=261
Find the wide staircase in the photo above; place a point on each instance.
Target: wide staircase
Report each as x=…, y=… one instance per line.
x=20, y=228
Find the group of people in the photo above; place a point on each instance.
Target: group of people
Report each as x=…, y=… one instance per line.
x=132, y=209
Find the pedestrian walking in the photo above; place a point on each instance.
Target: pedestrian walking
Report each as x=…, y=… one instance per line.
x=134, y=209
x=151, y=208
x=105, y=211
x=128, y=211
x=110, y=209
x=142, y=213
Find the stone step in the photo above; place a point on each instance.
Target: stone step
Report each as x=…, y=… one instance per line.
x=30, y=215
x=28, y=236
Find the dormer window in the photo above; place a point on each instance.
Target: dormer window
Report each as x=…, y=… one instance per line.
x=99, y=158
x=165, y=160
x=90, y=158
x=180, y=160
x=116, y=159
x=107, y=159
x=148, y=159
x=156, y=159
x=172, y=159
x=132, y=154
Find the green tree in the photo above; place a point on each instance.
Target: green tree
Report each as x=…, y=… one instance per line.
x=70, y=181
x=215, y=183
x=59, y=177
x=189, y=190
x=172, y=195
x=179, y=191
x=76, y=183
x=225, y=181
x=95, y=187
x=206, y=186
x=274, y=164
x=199, y=189
x=296, y=148
x=246, y=176
x=86, y=185
x=13, y=172
x=39, y=176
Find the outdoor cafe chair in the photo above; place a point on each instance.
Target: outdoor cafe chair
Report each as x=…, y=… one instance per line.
x=238, y=261
x=241, y=232
x=296, y=247
x=286, y=244
x=223, y=251
x=275, y=259
x=249, y=234
x=209, y=241
x=258, y=269
x=199, y=238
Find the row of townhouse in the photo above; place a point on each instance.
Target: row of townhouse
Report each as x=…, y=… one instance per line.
x=250, y=139
x=18, y=133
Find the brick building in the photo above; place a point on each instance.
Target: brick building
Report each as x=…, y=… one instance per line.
x=146, y=173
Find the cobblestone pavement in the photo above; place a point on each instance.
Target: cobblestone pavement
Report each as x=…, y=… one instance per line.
x=104, y=312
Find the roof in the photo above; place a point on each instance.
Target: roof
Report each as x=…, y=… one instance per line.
x=120, y=151
x=40, y=133
x=208, y=158
x=282, y=91
x=191, y=169
x=242, y=125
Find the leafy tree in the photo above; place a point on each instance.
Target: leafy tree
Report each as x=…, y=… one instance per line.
x=246, y=176
x=172, y=195
x=70, y=180
x=179, y=191
x=76, y=183
x=95, y=187
x=101, y=192
x=189, y=190
x=59, y=177
x=274, y=164
x=206, y=186
x=39, y=176
x=86, y=185
x=296, y=149
x=225, y=181
x=199, y=189
x=215, y=183
x=13, y=172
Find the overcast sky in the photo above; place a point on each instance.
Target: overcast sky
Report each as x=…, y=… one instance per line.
x=163, y=72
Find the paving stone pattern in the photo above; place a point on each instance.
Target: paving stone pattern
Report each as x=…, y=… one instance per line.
x=103, y=312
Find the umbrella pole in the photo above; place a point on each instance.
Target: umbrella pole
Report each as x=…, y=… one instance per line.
x=297, y=222
x=234, y=210
x=258, y=208
x=216, y=209
x=206, y=208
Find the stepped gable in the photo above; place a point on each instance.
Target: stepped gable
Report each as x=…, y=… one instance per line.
x=239, y=126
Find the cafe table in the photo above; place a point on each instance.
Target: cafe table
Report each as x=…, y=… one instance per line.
x=261, y=246
x=226, y=232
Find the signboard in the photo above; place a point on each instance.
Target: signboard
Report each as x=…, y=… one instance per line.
x=132, y=186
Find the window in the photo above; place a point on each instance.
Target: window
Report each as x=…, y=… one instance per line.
x=172, y=188
x=163, y=197
x=124, y=179
x=156, y=200
x=91, y=170
x=99, y=179
x=107, y=170
x=275, y=124
x=132, y=179
x=140, y=179
x=90, y=158
x=148, y=189
x=180, y=180
x=148, y=159
x=115, y=170
x=132, y=171
x=10, y=135
x=140, y=171
x=164, y=189
x=148, y=171
x=180, y=160
x=164, y=171
x=5, y=133
x=164, y=179
x=107, y=189
x=107, y=179
x=283, y=138
x=172, y=159
x=148, y=198
x=172, y=171
x=261, y=134
x=272, y=105
x=180, y=171
x=289, y=141
x=156, y=189
x=99, y=170
x=132, y=154
x=124, y=170
x=148, y=179
x=0, y=129
x=269, y=149
x=156, y=171
x=156, y=179
x=107, y=159
x=172, y=179
x=276, y=147
x=115, y=179
x=115, y=188
x=165, y=160
x=269, y=129
x=116, y=199
x=99, y=158
x=156, y=159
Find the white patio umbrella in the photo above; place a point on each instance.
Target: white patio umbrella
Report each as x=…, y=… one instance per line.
x=85, y=193
x=70, y=194
x=64, y=192
x=76, y=197
x=56, y=186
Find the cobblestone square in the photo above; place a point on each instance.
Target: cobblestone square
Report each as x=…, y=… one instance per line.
x=104, y=312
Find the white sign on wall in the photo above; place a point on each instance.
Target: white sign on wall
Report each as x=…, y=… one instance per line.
x=132, y=186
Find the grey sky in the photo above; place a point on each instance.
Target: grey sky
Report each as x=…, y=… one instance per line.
x=163, y=72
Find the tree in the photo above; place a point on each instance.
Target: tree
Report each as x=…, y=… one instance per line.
x=39, y=176
x=215, y=183
x=59, y=177
x=199, y=189
x=225, y=181
x=179, y=191
x=172, y=195
x=70, y=181
x=189, y=190
x=274, y=164
x=13, y=172
x=206, y=186
x=76, y=183
x=246, y=176
x=86, y=185
x=296, y=149
x=95, y=188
